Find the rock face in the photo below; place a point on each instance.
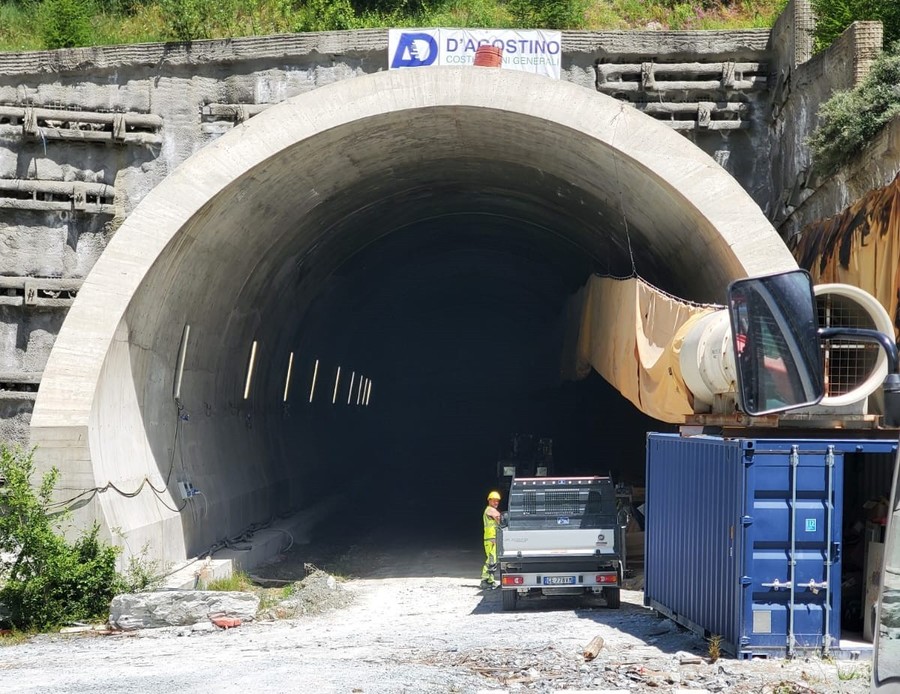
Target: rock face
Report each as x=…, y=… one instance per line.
x=178, y=608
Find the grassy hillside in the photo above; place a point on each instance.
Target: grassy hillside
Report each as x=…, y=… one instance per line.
x=39, y=24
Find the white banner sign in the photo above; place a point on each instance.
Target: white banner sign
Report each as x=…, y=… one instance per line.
x=529, y=50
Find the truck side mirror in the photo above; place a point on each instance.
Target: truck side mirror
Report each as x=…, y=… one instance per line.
x=776, y=342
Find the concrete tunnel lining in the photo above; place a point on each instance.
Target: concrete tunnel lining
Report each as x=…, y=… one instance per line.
x=276, y=207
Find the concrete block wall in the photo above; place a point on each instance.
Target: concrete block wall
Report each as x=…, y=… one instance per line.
x=800, y=91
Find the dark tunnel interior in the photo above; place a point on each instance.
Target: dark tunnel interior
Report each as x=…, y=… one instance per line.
x=458, y=321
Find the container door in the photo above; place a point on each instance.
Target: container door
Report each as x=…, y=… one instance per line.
x=791, y=549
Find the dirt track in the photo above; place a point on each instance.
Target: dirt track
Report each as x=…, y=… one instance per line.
x=417, y=623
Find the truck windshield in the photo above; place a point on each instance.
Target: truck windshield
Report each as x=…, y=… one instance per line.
x=556, y=502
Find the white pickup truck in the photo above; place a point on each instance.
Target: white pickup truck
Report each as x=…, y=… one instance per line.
x=560, y=536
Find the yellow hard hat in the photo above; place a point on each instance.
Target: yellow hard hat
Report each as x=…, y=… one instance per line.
x=494, y=495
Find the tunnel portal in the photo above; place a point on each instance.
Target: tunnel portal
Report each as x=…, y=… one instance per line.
x=418, y=230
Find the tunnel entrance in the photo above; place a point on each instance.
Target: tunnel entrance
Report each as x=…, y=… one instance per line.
x=419, y=230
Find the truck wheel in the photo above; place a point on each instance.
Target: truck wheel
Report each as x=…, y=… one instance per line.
x=509, y=599
x=613, y=598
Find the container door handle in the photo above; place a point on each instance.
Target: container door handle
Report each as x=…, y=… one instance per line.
x=777, y=585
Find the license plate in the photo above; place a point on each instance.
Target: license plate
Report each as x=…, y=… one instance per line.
x=559, y=580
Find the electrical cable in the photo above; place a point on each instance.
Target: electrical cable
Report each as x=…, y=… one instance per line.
x=180, y=416
x=247, y=535
x=290, y=537
x=619, y=186
x=205, y=504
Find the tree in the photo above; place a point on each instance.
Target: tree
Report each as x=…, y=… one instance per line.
x=834, y=16
x=66, y=23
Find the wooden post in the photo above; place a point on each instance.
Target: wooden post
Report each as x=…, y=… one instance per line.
x=593, y=648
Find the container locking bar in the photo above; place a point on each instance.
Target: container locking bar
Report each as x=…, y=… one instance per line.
x=792, y=564
x=778, y=585
x=829, y=506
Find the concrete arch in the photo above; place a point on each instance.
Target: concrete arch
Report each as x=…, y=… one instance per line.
x=244, y=240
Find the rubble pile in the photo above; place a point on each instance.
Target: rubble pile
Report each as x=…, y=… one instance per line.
x=317, y=593
x=551, y=668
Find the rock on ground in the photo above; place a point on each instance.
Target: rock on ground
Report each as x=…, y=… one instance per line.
x=179, y=608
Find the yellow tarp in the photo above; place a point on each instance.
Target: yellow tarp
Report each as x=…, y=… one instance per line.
x=631, y=334
x=860, y=246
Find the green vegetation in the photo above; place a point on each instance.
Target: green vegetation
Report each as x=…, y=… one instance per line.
x=238, y=581
x=49, y=580
x=849, y=120
x=853, y=672
x=833, y=16
x=39, y=24
x=715, y=648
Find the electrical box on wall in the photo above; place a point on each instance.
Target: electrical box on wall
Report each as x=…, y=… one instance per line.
x=186, y=490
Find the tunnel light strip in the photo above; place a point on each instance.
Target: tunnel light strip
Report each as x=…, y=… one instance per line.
x=359, y=391
x=312, y=388
x=368, y=391
x=250, y=367
x=350, y=391
x=179, y=369
x=337, y=381
x=287, y=378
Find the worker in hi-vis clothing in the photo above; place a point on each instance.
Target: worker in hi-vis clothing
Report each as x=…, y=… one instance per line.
x=491, y=518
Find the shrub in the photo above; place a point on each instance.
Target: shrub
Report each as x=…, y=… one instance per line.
x=851, y=118
x=66, y=23
x=188, y=20
x=834, y=16
x=50, y=581
x=396, y=7
x=141, y=573
x=327, y=15
x=548, y=14
x=120, y=7
x=76, y=582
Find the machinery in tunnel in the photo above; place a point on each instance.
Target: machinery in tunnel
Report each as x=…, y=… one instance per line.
x=423, y=232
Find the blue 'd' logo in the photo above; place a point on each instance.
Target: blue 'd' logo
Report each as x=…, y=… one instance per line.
x=415, y=50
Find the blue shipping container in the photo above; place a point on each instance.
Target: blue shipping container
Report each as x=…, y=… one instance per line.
x=743, y=538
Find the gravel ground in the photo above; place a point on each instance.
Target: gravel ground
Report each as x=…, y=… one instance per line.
x=414, y=622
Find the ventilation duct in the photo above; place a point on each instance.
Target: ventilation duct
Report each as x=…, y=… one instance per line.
x=853, y=369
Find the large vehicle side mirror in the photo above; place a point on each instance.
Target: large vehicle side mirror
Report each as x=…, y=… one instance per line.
x=777, y=352
x=776, y=343
x=777, y=346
